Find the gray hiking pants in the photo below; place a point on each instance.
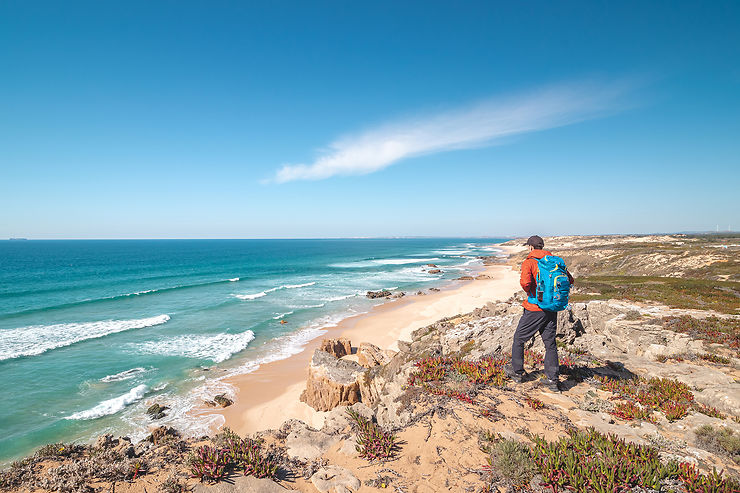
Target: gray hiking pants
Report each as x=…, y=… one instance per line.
x=546, y=323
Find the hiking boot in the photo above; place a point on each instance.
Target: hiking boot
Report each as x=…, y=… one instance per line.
x=514, y=376
x=552, y=385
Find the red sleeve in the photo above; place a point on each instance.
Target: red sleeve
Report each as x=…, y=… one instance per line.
x=527, y=279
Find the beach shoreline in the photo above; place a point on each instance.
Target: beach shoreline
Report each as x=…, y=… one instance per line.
x=270, y=395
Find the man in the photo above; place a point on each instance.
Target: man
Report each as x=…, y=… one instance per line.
x=535, y=320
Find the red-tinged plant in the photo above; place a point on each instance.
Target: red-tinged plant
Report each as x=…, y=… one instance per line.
x=448, y=393
x=671, y=397
x=711, y=329
x=630, y=411
x=715, y=358
x=708, y=410
x=714, y=482
x=534, y=403
x=487, y=371
x=428, y=370
x=247, y=455
x=208, y=464
x=372, y=442
x=567, y=361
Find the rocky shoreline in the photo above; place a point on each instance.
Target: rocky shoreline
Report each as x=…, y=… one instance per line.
x=656, y=386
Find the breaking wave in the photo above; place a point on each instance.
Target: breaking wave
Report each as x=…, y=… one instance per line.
x=217, y=347
x=112, y=406
x=37, y=339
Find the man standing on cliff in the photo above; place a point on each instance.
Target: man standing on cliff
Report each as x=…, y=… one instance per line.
x=536, y=319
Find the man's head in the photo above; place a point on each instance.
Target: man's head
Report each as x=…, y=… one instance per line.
x=535, y=243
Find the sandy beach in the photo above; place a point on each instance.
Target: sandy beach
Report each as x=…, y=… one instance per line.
x=271, y=395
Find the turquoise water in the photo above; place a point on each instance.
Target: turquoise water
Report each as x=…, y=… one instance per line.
x=93, y=331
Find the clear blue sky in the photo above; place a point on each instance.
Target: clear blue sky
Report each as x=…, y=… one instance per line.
x=311, y=119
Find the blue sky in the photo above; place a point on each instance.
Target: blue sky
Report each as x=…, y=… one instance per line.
x=314, y=119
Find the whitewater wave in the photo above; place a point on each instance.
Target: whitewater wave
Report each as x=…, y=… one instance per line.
x=37, y=339
x=386, y=261
x=118, y=296
x=250, y=296
x=344, y=296
x=294, y=286
x=272, y=290
x=452, y=252
x=278, y=317
x=233, y=279
x=112, y=406
x=217, y=347
x=124, y=375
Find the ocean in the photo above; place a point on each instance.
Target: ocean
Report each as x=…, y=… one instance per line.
x=93, y=331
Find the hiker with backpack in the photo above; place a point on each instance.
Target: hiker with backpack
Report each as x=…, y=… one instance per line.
x=547, y=282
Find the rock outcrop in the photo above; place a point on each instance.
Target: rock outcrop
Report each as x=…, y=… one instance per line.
x=336, y=347
x=369, y=355
x=332, y=382
x=335, y=479
x=434, y=271
x=378, y=294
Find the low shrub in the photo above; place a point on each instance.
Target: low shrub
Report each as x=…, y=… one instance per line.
x=719, y=440
x=510, y=460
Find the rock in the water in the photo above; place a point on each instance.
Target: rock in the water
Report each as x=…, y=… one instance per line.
x=434, y=289
x=337, y=347
x=369, y=355
x=335, y=479
x=378, y=294
x=222, y=400
x=432, y=265
x=158, y=434
x=420, y=293
x=155, y=411
x=332, y=382
x=464, y=278
x=400, y=294
x=434, y=271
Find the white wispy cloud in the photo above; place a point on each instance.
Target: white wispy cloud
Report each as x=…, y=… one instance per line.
x=480, y=124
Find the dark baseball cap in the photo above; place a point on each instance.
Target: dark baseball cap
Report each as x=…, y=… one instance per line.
x=535, y=241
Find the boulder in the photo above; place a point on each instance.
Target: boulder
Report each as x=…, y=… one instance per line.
x=306, y=444
x=434, y=271
x=158, y=434
x=483, y=277
x=332, y=382
x=464, y=278
x=378, y=294
x=434, y=289
x=105, y=441
x=239, y=483
x=156, y=411
x=336, y=347
x=335, y=479
x=432, y=265
x=222, y=400
x=369, y=355
x=400, y=294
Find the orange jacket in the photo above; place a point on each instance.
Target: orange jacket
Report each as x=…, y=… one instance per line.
x=528, y=278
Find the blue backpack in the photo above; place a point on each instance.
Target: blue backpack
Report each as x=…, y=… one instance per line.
x=553, y=285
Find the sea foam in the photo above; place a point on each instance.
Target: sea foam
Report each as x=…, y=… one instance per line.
x=217, y=348
x=112, y=406
x=124, y=375
x=37, y=339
